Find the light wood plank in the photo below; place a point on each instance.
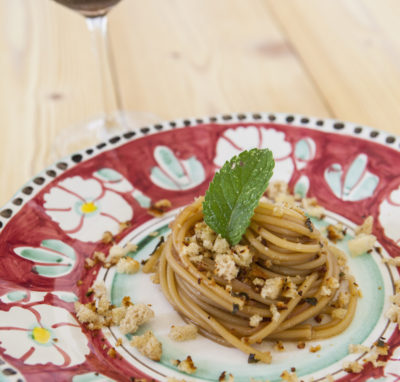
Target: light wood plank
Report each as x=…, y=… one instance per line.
x=176, y=59
x=191, y=58
x=352, y=51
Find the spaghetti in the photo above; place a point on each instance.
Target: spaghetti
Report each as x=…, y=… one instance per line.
x=276, y=284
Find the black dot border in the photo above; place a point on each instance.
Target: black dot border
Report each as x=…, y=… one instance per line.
x=50, y=174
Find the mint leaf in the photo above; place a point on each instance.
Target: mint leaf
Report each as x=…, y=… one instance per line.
x=235, y=191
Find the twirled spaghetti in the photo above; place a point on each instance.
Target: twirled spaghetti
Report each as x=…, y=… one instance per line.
x=283, y=273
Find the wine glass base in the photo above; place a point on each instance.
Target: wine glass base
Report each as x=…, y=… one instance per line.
x=98, y=130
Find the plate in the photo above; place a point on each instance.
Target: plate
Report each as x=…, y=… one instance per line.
x=58, y=218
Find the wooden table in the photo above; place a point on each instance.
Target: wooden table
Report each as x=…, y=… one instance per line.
x=185, y=58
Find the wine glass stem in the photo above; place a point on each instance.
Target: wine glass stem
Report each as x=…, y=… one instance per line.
x=108, y=84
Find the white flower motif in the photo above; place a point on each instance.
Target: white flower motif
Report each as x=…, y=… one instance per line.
x=234, y=141
x=85, y=208
x=42, y=334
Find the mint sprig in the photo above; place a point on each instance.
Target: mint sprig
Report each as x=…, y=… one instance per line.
x=235, y=191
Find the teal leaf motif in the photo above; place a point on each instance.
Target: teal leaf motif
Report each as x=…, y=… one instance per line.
x=175, y=174
x=356, y=184
x=52, y=259
x=302, y=185
x=109, y=174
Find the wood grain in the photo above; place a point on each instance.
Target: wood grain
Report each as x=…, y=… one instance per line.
x=193, y=58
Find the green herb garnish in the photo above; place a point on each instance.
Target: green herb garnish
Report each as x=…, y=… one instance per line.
x=235, y=192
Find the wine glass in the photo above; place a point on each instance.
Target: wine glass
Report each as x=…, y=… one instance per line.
x=113, y=119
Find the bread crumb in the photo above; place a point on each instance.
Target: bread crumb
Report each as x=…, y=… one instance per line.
x=186, y=366
x=289, y=376
x=312, y=208
x=392, y=261
x=339, y=313
x=117, y=314
x=289, y=288
x=301, y=345
x=111, y=353
x=314, y=349
x=365, y=227
x=135, y=316
x=353, y=367
x=183, y=333
x=107, y=237
x=85, y=313
x=99, y=256
x=255, y=320
x=258, y=282
x=275, y=313
x=148, y=345
x=127, y=265
x=335, y=232
x=225, y=267
x=221, y=245
x=272, y=288
x=193, y=249
x=356, y=348
x=279, y=346
x=361, y=244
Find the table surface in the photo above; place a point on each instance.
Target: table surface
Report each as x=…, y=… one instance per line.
x=191, y=58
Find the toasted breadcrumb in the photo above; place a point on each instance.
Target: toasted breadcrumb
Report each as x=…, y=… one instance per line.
x=275, y=313
x=255, y=320
x=183, y=333
x=353, y=367
x=312, y=208
x=221, y=245
x=289, y=376
x=127, y=265
x=135, y=316
x=112, y=353
x=99, y=256
x=173, y=379
x=258, y=282
x=99, y=288
x=85, y=313
x=225, y=267
x=242, y=255
x=289, y=288
x=107, y=237
x=356, y=348
x=187, y=366
x=117, y=314
x=335, y=232
x=89, y=263
x=365, y=227
x=314, y=349
x=392, y=261
x=205, y=235
x=279, y=346
x=343, y=299
x=272, y=288
x=339, y=313
x=301, y=345
x=362, y=243
x=148, y=345
x=193, y=249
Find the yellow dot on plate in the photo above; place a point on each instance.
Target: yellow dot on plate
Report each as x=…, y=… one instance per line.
x=88, y=207
x=41, y=335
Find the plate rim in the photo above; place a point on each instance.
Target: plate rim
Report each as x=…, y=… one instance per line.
x=325, y=124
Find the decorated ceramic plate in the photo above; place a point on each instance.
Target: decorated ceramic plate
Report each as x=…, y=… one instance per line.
x=57, y=220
